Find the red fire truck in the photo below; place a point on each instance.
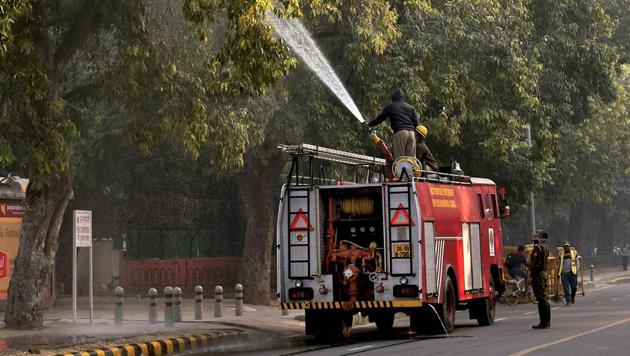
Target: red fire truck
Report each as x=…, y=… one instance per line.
x=425, y=246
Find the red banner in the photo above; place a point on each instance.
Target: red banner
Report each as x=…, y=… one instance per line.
x=11, y=209
x=4, y=264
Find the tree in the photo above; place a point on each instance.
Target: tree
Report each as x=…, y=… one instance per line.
x=32, y=135
x=74, y=70
x=592, y=156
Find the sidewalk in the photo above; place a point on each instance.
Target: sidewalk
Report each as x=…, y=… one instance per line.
x=61, y=335
x=602, y=278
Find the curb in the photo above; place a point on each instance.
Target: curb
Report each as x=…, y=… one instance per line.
x=620, y=280
x=158, y=347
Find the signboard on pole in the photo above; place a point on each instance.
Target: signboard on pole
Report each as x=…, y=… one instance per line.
x=82, y=237
x=82, y=228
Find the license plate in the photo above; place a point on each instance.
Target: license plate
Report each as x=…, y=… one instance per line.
x=402, y=251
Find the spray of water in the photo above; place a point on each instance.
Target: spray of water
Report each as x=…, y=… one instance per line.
x=440, y=319
x=299, y=39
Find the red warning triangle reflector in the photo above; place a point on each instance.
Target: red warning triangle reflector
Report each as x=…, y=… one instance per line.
x=401, y=218
x=300, y=222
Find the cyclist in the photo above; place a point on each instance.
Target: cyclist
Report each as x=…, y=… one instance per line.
x=514, y=262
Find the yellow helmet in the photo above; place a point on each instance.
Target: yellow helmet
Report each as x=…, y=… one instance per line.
x=422, y=130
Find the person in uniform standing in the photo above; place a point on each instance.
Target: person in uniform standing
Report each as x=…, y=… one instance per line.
x=538, y=269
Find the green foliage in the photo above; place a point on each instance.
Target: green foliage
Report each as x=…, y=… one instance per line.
x=10, y=10
x=211, y=78
x=593, y=154
x=134, y=69
x=620, y=16
x=250, y=58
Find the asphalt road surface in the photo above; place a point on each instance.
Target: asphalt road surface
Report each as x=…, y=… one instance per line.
x=598, y=324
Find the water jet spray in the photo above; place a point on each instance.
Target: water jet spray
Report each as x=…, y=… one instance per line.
x=299, y=39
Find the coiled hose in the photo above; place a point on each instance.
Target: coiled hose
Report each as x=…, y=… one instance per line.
x=358, y=206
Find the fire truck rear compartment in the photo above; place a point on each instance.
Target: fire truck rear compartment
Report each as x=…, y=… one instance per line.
x=352, y=240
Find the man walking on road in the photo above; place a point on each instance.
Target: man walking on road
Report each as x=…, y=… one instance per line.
x=538, y=269
x=403, y=119
x=567, y=271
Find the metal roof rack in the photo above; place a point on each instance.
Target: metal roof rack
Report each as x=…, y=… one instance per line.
x=313, y=152
x=329, y=154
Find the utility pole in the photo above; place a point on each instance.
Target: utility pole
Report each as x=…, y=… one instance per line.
x=532, y=205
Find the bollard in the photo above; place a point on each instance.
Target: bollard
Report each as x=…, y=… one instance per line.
x=152, y=306
x=168, y=306
x=592, y=272
x=177, y=307
x=119, y=296
x=218, y=302
x=198, y=303
x=238, y=295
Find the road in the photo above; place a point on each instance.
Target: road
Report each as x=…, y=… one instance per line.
x=598, y=324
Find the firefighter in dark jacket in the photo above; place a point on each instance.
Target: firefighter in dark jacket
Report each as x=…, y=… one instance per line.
x=403, y=119
x=423, y=153
x=538, y=269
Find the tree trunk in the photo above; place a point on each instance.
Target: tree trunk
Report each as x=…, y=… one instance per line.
x=576, y=224
x=604, y=231
x=38, y=244
x=258, y=189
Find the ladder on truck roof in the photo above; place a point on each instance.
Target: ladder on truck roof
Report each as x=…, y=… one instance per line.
x=314, y=152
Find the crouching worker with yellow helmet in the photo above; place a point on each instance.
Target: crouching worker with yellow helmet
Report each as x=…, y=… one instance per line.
x=423, y=153
x=569, y=265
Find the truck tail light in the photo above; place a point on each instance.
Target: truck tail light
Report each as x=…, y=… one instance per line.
x=406, y=291
x=300, y=293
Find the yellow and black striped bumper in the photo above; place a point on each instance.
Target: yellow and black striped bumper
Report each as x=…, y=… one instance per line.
x=368, y=304
x=157, y=347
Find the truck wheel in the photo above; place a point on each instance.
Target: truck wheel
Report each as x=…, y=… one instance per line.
x=486, y=308
x=384, y=322
x=342, y=325
x=313, y=324
x=421, y=319
x=446, y=310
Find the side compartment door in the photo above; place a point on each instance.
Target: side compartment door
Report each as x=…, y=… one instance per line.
x=403, y=232
x=431, y=252
x=300, y=233
x=471, y=246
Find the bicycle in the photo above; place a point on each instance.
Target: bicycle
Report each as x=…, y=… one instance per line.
x=514, y=290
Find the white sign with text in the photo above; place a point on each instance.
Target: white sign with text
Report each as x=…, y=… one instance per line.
x=82, y=228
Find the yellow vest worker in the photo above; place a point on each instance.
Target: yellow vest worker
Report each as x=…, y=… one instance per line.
x=568, y=262
x=574, y=263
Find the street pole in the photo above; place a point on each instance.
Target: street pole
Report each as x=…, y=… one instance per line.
x=74, y=280
x=532, y=205
x=91, y=286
